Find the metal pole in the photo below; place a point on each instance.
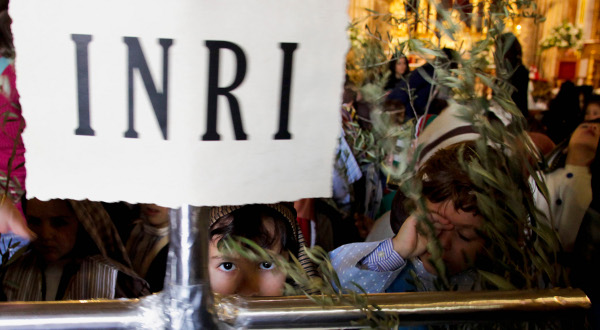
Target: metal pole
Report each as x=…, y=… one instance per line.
x=187, y=285
x=417, y=308
x=301, y=312
x=117, y=314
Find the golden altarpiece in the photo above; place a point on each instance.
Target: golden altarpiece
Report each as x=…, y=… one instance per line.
x=584, y=14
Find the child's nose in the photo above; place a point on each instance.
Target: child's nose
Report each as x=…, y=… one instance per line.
x=250, y=285
x=46, y=232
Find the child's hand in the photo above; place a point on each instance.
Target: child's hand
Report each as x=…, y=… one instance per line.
x=11, y=220
x=411, y=240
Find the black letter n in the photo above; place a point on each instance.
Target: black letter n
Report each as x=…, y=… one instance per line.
x=137, y=60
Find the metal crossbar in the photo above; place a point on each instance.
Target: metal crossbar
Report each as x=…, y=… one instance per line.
x=187, y=302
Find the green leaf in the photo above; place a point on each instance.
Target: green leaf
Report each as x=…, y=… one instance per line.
x=498, y=281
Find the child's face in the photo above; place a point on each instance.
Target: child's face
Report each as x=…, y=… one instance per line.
x=460, y=242
x=55, y=225
x=586, y=135
x=155, y=215
x=592, y=112
x=235, y=275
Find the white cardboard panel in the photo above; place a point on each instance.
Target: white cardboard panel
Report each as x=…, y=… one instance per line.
x=182, y=169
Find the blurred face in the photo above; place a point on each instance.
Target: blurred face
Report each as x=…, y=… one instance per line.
x=585, y=136
x=401, y=66
x=56, y=226
x=461, y=243
x=231, y=274
x=155, y=215
x=592, y=111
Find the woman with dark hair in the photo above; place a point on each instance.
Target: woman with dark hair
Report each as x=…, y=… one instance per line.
x=274, y=228
x=399, y=71
x=416, y=91
x=77, y=255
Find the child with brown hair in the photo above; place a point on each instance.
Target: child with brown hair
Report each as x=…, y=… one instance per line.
x=274, y=228
x=452, y=209
x=456, y=231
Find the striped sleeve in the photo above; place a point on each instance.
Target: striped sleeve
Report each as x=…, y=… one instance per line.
x=383, y=258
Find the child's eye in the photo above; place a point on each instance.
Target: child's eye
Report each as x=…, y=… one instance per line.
x=58, y=222
x=266, y=265
x=467, y=235
x=32, y=221
x=227, y=266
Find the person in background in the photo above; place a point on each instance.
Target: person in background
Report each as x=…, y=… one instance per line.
x=513, y=70
x=148, y=245
x=78, y=255
x=399, y=70
x=570, y=183
x=592, y=110
x=574, y=207
x=274, y=228
x=557, y=158
x=416, y=93
x=563, y=113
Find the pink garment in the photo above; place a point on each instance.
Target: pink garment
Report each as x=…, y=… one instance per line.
x=10, y=129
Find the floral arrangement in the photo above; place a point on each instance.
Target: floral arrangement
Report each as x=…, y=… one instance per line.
x=565, y=35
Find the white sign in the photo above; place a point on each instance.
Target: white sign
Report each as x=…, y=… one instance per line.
x=195, y=102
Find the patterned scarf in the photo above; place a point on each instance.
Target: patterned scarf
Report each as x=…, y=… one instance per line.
x=144, y=244
x=99, y=226
x=91, y=278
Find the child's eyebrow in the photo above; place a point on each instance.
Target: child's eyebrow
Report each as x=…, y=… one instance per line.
x=456, y=226
x=225, y=257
